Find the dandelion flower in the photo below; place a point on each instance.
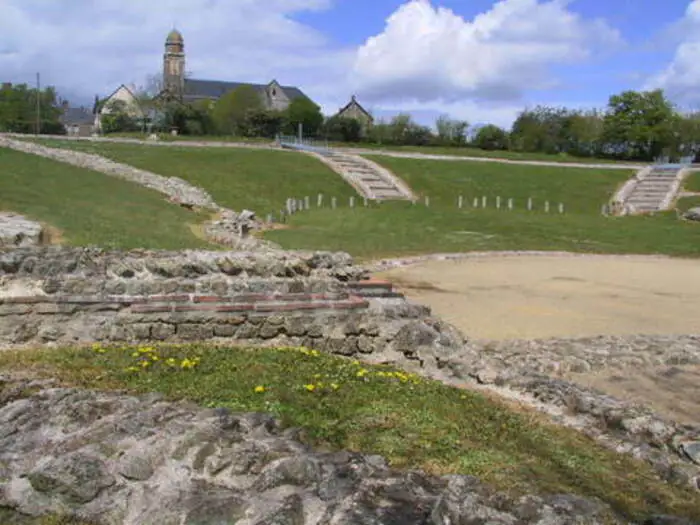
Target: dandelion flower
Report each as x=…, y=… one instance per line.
x=335, y=386
x=144, y=364
x=259, y=389
x=135, y=354
x=310, y=387
x=171, y=361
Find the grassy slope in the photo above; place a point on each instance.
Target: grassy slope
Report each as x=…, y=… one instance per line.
x=430, y=150
x=259, y=180
x=413, y=422
x=401, y=229
x=90, y=208
x=692, y=183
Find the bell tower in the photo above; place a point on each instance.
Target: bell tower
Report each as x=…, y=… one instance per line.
x=174, y=64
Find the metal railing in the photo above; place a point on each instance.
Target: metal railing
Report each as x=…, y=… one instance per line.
x=303, y=143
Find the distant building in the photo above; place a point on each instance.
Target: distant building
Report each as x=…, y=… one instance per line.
x=175, y=84
x=125, y=99
x=77, y=122
x=354, y=110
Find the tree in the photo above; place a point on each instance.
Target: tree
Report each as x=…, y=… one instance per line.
x=117, y=118
x=230, y=111
x=640, y=125
x=491, y=137
x=303, y=111
x=264, y=123
x=18, y=109
x=451, y=132
x=342, y=129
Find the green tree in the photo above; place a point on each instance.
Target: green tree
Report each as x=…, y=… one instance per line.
x=342, y=129
x=451, y=132
x=230, y=111
x=264, y=123
x=491, y=137
x=640, y=125
x=303, y=111
x=18, y=109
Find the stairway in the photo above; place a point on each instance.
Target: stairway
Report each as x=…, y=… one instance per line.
x=369, y=179
x=651, y=191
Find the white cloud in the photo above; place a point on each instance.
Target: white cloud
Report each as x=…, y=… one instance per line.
x=680, y=79
x=91, y=46
x=428, y=53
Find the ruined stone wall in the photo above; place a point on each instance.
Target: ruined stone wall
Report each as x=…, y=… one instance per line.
x=68, y=296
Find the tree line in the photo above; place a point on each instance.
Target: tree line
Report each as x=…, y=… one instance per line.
x=635, y=125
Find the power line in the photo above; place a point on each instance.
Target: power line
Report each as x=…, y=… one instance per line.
x=38, y=104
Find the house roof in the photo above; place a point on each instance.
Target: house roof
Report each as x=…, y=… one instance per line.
x=76, y=116
x=196, y=88
x=354, y=102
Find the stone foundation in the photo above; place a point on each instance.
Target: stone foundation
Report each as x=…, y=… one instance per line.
x=64, y=296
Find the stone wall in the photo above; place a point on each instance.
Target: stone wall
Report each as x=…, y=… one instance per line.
x=68, y=296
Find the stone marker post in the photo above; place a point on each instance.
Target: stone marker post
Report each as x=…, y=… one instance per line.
x=333, y=202
x=352, y=202
x=546, y=206
x=307, y=202
x=460, y=202
x=319, y=200
x=529, y=204
x=427, y=201
x=510, y=204
x=561, y=207
x=483, y=202
x=498, y=203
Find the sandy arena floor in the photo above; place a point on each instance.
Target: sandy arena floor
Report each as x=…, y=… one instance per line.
x=526, y=297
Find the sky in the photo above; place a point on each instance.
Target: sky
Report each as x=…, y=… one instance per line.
x=477, y=60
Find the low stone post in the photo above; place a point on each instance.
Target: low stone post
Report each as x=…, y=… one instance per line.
x=529, y=204
x=460, y=202
x=307, y=202
x=483, y=202
x=498, y=203
x=333, y=202
x=352, y=202
x=510, y=204
x=561, y=207
x=546, y=206
x=319, y=200
x=476, y=202
x=427, y=201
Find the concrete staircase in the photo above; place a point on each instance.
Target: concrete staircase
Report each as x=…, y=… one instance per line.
x=369, y=179
x=652, y=189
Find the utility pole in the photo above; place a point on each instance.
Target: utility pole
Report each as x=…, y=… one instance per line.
x=38, y=104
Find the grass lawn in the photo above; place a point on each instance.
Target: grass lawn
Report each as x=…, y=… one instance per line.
x=89, y=208
x=237, y=178
x=399, y=229
x=341, y=404
x=464, y=151
x=692, y=183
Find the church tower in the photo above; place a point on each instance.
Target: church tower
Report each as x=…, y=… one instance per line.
x=174, y=64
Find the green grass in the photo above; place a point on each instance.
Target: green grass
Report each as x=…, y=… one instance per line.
x=399, y=229
x=692, y=183
x=415, y=423
x=89, y=208
x=259, y=180
x=464, y=151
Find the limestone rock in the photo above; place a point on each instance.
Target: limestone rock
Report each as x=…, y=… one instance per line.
x=692, y=214
x=181, y=464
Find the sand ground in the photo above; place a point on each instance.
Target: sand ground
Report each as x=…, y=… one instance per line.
x=527, y=297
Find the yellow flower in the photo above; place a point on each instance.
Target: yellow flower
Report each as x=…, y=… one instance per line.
x=315, y=353
x=144, y=364
x=259, y=389
x=135, y=354
x=381, y=374
x=132, y=369
x=335, y=386
x=171, y=362
x=188, y=363
x=356, y=362
x=155, y=357
x=310, y=387
x=362, y=372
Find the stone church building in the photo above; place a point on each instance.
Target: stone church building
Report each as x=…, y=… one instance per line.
x=177, y=85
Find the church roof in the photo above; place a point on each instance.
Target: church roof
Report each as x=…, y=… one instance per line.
x=74, y=116
x=197, y=89
x=354, y=102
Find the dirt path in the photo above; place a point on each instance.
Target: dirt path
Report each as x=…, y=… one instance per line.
x=539, y=297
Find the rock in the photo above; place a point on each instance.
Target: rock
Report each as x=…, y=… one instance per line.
x=693, y=214
x=18, y=231
x=692, y=450
x=77, y=478
x=183, y=464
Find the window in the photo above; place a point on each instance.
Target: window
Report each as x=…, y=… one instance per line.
x=274, y=92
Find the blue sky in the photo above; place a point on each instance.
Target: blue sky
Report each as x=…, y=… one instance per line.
x=477, y=60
